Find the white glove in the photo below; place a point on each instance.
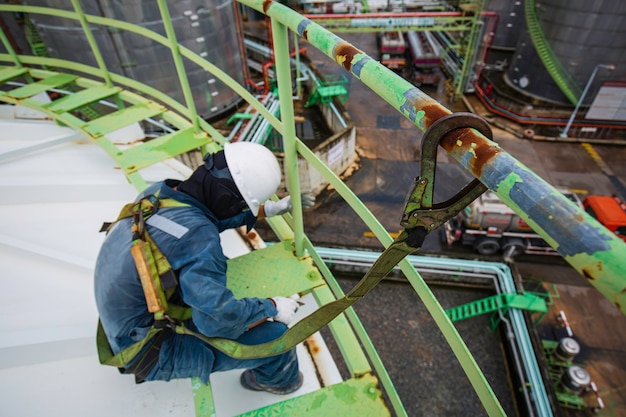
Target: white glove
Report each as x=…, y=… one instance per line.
x=282, y=206
x=286, y=308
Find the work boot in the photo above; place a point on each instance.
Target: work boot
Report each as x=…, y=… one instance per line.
x=249, y=381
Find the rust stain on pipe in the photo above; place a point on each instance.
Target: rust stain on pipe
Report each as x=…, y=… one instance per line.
x=432, y=113
x=588, y=274
x=344, y=54
x=484, y=154
x=266, y=5
x=314, y=347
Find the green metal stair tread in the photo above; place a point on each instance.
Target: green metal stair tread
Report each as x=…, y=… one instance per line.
x=9, y=73
x=122, y=118
x=331, y=91
x=359, y=397
x=42, y=85
x=272, y=271
x=527, y=302
x=82, y=98
x=501, y=301
x=161, y=148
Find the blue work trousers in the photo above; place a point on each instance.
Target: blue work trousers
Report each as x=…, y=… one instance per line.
x=183, y=355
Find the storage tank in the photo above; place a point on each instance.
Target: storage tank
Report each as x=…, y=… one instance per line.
x=207, y=27
x=510, y=22
x=582, y=34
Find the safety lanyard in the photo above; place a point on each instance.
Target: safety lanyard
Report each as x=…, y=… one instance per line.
x=420, y=217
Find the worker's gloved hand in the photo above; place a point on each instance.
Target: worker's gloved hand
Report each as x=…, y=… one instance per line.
x=282, y=206
x=286, y=308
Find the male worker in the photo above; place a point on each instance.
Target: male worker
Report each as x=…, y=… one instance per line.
x=228, y=191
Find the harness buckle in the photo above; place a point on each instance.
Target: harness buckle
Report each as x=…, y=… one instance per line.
x=165, y=322
x=141, y=211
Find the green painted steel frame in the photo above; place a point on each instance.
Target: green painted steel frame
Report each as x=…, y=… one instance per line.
x=420, y=22
x=427, y=22
x=470, y=52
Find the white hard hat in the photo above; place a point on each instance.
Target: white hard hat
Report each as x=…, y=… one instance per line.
x=255, y=170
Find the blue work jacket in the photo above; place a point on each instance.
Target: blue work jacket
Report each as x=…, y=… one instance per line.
x=189, y=238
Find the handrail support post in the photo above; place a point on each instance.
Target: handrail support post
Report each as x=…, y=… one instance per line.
x=280, y=36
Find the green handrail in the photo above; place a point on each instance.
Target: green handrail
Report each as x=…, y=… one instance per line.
x=561, y=223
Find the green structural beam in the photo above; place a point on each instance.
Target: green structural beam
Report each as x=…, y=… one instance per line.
x=383, y=22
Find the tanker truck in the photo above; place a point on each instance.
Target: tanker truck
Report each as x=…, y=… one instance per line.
x=490, y=227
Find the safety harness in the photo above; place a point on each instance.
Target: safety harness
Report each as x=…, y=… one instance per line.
x=158, y=282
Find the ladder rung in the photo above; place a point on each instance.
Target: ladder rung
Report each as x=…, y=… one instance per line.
x=82, y=98
x=122, y=118
x=41, y=86
x=237, y=116
x=332, y=91
x=159, y=149
x=9, y=73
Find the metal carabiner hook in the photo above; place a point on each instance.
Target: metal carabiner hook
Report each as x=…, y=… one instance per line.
x=419, y=208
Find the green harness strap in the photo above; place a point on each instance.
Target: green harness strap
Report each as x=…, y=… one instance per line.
x=157, y=279
x=406, y=243
x=420, y=217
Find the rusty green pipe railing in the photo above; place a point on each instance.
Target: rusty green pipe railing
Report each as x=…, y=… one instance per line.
x=330, y=44
x=590, y=248
x=583, y=242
